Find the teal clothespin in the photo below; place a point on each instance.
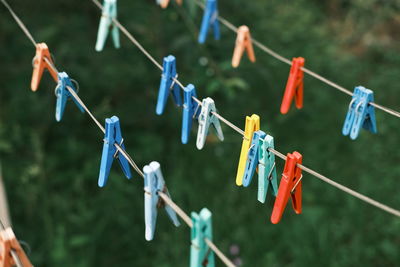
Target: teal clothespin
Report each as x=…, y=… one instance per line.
x=206, y=119
x=200, y=254
x=106, y=22
x=266, y=169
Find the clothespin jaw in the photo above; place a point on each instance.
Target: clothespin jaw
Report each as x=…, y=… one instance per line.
x=266, y=169
x=243, y=42
x=210, y=18
x=112, y=137
x=8, y=243
x=252, y=158
x=164, y=3
x=153, y=184
x=190, y=111
x=168, y=84
x=207, y=118
x=40, y=63
x=294, y=86
x=200, y=253
x=63, y=94
x=106, y=22
x=361, y=113
x=252, y=125
x=290, y=185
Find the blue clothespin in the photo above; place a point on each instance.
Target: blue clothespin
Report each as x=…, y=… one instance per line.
x=154, y=183
x=190, y=111
x=168, y=84
x=112, y=137
x=360, y=113
x=210, y=18
x=207, y=118
x=252, y=157
x=266, y=168
x=63, y=94
x=200, y=254
x=106, y=22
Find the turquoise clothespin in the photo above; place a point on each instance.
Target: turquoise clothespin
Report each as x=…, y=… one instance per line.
x=106, y=22
x=63, y=95
x=200, y=254
x=154, y=183
x=266, y=169
x=207, y=118
x=360, y=113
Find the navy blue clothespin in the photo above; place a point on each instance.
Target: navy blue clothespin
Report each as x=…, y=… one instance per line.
x=112, y=137
x=153, y=184
x=191, y=111
x=63, y=94
x=210, y=18
x=168, y=84
x=360, y=113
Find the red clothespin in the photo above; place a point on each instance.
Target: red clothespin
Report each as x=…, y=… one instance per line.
x=41, y=62
x=294, y=86
x=290, y=186
x=243, y=41
x=8, y=244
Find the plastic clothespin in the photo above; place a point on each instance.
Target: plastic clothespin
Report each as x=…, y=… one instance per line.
x=266, y=169
x=106, y=22
x=41, y=61
x=201, y=254
x=360, y=113
x=191, y=110
x=252, y=125
x=207, y=118
x=290, y=186
x=294, y=86
x=154, y=183
x=168, y=84
x=9, y=243
x=243, y=42
x=63, y=95
x=164, y=3
x=112, y=138
x=252, y=157
x=210, y=18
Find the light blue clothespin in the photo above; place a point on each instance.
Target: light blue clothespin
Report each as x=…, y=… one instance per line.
x=63, y=95
x=210, y=18
x=168, y=84
x=266, y=168
x=200, y=253
x=106, y=22
x=360, y=113
x=207, y=118
x=191, y=110
x=252, y=157
x=112, y=137
x=154, y=183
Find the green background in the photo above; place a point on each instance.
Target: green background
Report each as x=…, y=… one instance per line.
x=51, y=169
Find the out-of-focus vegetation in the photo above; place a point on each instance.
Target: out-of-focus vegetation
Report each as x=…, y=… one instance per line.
x=51, y=168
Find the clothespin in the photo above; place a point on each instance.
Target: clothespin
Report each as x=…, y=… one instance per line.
x=252, y=157
x=168, y=84
x=207, y=118
x=154, y=183
x=112, y=138
x=294, y=86
x=210, y=18
x=164, y=3
x=63, y=95
x=190, y=111
x=290, y=186
x=243, y=42
x=9, y=245
x=201, y=254
x=252, y=125
x=106, y=22
x=266, y=169
x=360, y=114
x=42, y=61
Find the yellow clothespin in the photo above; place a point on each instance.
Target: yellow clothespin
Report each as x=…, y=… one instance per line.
x=243, y=42
x=252, y=125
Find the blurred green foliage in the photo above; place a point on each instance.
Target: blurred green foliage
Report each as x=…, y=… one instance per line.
x=51, y=168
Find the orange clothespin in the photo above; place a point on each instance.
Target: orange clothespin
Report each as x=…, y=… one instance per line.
x=164, y=3
x=243, y=41
x=290, y=186
x=9, y=243
x=40, y=63
x=294, y=86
